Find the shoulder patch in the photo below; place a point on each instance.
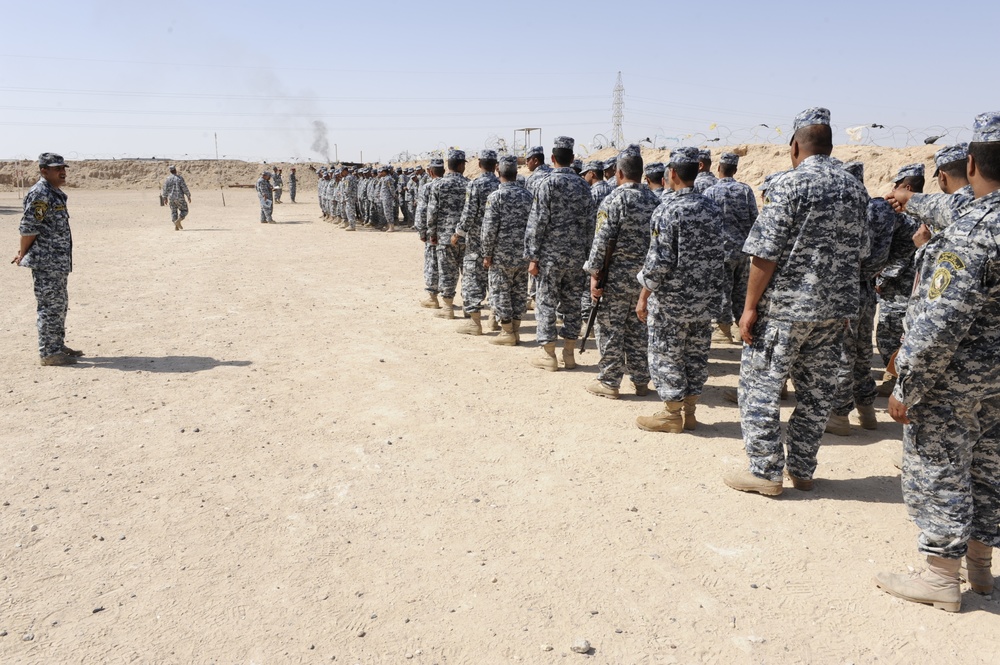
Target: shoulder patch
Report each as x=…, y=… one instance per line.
x=939, y=282
x=602, y=216
x=38, y=209
x=952, y=259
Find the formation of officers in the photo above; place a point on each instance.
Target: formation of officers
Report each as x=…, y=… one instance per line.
x=673, y=256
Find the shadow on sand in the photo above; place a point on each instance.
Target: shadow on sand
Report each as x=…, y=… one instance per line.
x=161, y=364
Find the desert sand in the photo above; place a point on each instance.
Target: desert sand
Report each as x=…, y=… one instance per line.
x=272, y=454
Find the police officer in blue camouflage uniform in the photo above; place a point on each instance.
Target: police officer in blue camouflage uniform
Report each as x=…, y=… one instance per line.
x=806, y=246
x=948, y=393
x=265, y=194
x=600, y=186
x=387, y=198
x=350, y=184
x=653, y=175
x=445, y=200
x=431, y=279
x=935, y=212
x=681, y=280
x=174, y=192
x=556, y=244
x=738, y=207
x=857, y=389
x=535, y=161
x=504, y=223
x=895, y=281
x=610, y=171
x=623, y=219
x=469, y=231
x=293, y=183
x=47, y=248
x=705, y=177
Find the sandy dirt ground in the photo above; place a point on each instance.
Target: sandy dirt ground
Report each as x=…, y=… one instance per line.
x=272, y=454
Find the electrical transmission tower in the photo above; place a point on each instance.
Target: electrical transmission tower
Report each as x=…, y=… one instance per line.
x=618, y=114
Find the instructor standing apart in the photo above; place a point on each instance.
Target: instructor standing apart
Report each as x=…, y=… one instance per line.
x=265, y=192
x=47, y=248
x=174, y=191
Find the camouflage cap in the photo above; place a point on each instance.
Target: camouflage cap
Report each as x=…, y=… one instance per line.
x=611, y=163
x=685, y=155
x=171, y=168
x=437, y=162
x=986, y=127
x=49, y=160
x=488, y=155
x=817, y=115
x=949, y=154
x=535, y=151
x=564, y=142
x=856, y=169
x=508, y=160
x=655, y=169
x=455, y=153
x=385, y=168
x=910, y=171
x=729, y=159
x=632, y=150
x=704, y=155
x=418, y=167
x=266, y=174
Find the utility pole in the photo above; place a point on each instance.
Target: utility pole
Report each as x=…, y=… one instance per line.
x=219, y=168
x=618, y=114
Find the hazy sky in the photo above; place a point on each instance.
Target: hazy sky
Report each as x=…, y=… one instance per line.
x=114, y=79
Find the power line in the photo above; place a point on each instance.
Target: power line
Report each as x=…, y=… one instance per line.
x=64, y=110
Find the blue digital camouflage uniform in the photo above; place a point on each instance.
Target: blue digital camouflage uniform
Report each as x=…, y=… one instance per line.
x=561, y=222
x=621, y=337
x=938, y=210
x=949, y=378
x=351, y=200
x=412, y=188
x=277, y=186
x=858, y=388
x=293, y=183
x=387, y=200
x=431, y=277
x=738, y=209
x=445, y=199
x=265, y=194
x=537, y=176
x=470, y=227
x=600, y=191
x=683, y=270
x=174, y=191
x=504, y=225
x=894, y=284
x=50, y=258
x=704, y=179
x=812, y=226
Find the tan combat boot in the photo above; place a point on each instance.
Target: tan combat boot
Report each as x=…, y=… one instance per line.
x=866, y=416
x=431, y=301
x=494, y=321
x=939, y=585
x=669, y=420
x=723, y=333
x=472, y=326
x=448, y=309
x=516, y=327
x=690, y=403
x=506, y=336
x=839, y=425
x=547, y=360
x=641, y=389
x=569, y=361
x=976, y=568
x=57, y=360
x=595, y=387
x=744, y=481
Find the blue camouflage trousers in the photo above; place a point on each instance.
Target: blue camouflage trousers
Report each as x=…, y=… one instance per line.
x=266, y=207
x=53, y=300
x=430, y=268
x=951, y=471
x=350, y=213
x=448, y=260
x=734, y=288
x=178, y=210
x=678, y=354
x=474, y=280
x=622, y=338
x=858, y=387
x=812, y=352
x=557, y=289
x=891, y=312
x=291, y=193
x=508, y=291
